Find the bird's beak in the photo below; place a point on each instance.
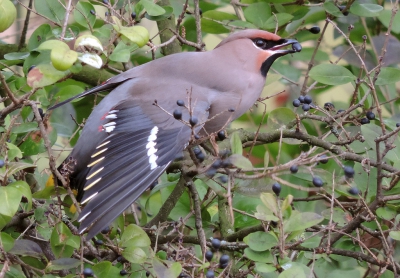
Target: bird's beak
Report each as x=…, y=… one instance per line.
x=296, y=47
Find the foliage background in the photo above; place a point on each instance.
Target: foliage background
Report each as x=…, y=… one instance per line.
x=348, y=228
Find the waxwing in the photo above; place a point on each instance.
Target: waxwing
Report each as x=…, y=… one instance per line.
x=154, y=110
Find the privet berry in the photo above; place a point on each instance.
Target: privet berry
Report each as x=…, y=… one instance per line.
x=210, y=274
x=329, y=106
x=353, y=191
x=133, y=15
x=88, y=272
x=216, y=164
x=296, y=103
x=216, y=243
x=177, y=114
x=105, y=2
x=180, y=102
x=307, y=99
x=223, y=179
x=397, y=124
x=276, y=188
x=370, y=115
x=92, y=12
x=211, y=172
x=201, y=156
x=301, y=99
x=193, y=120
x=341, y=8
x=98, y=242
x=323, y=159
x=305, y=107
x=317, y=182
x=223, y=261
x=294, y=169
x=105, y=230
x=364, y=121
x=348, y=172
x=314, y=30
x=340, y=111
x=123, y=272
x=221, y=135
x=209, y=255
x=2, y=163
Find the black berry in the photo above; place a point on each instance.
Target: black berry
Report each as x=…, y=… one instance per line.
x=216, y=243
x=211, y=172
x=88, y=272
x=98, y=242
x=341, y=8
x=301, y=98
x=123, y=272
x=329, y=106
x=294, y=169
x=370, y=115
x=201, y=156
x=41, y=112
x=340, y=111
x=196, y=150
x=354, y=191
x=223, y=179
x=2, y=163
x=105, y=2
x=106, y=230
x=231, y=110
x=224, y=259
x=307, y=99
x=210, y=274
x=177, y=114
x=180, y=102
x=296, y=103
x=323, y=159
x=317, y=182
x=314, y=30
x=92, y=12
x=217, y=164
x=226, y=163
x=397, y=124
x=193, y=121
x=106, y=13
x=348, y=172
x=133, y=15
x=364, y=121
x=221, y=135
x=276, y=188
x=305, y=107
x=209, y=255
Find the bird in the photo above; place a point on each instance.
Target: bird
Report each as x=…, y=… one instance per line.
x=152, y=112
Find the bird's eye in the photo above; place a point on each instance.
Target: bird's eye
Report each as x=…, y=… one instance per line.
x=260, y=43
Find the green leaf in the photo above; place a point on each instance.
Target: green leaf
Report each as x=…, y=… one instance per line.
x=10, y=198
x=236, y=143
x=265, y=268
x=134, y=254
x=14, y=167
x=25, y=190
x=44, y=75
x=386, y=213
x=258, y=13
x=63, y=242
x=105, y=270
x=212, y=22
x=13, y=151
x=293, y=272
x=53, y=10
x=365, y=10
x=24, y=247
x=279, y=118
x=393, y=234
x=388, y=76
x=38, y=36
x=135, y=34
x=332, y=9
x=134, y=236
x=16, y=55
x=302, y=221
x=82, y=14
x=260, y=241
x=331, y=74
x=262, y=257
x=122, y=53
x=277, y=20
x=63, y=263
x=162, y=271
x=168, y=12
x=385, y=17
x=7, y=242
x=151, y=8
x=25, y=127
x=269, y=201
x=68, y=92
x=240, y=161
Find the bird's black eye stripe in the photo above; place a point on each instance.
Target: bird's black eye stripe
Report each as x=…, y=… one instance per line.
x=266, y=44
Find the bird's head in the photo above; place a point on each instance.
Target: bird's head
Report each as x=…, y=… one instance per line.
x=260, y=45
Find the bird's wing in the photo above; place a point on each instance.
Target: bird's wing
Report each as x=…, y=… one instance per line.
x=142, y=141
